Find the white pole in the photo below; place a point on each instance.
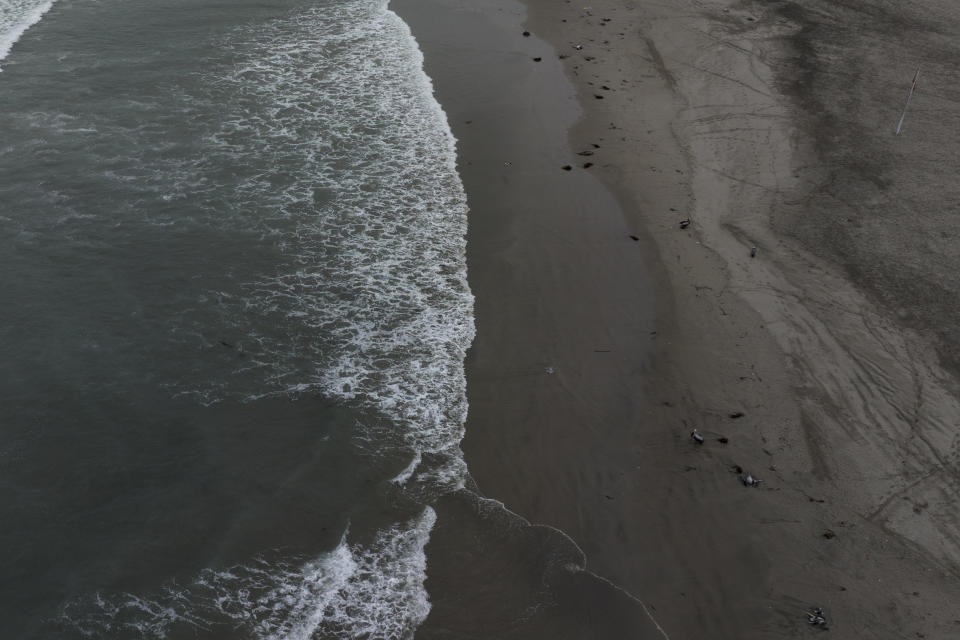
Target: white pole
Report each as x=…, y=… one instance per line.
x=909, y=95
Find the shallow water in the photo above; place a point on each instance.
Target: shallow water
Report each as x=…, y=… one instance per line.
x=234, y=320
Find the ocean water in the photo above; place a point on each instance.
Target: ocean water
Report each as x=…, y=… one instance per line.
x=233, y=318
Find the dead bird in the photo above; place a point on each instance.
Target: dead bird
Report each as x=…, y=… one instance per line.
x=816, y=618
x=749, y=480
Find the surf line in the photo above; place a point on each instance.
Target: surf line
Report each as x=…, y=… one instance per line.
x=499, y=505
x=17, y=25
x=909, y=95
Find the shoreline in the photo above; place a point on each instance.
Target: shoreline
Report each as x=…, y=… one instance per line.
x=590, y=370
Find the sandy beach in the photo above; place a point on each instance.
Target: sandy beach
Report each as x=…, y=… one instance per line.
x=824, y=364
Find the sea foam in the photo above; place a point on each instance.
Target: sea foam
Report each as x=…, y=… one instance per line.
x=16, y=16
x=352, y=591
x=335, y=155
x=371, y=304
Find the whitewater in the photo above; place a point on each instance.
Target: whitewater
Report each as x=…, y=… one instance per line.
x=236, y=323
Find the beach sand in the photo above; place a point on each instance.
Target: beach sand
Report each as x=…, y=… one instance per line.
x=606, y=333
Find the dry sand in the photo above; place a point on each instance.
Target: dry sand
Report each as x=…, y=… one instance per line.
x=770, y=126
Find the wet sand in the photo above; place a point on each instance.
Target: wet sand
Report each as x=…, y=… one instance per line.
x=606, y=333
